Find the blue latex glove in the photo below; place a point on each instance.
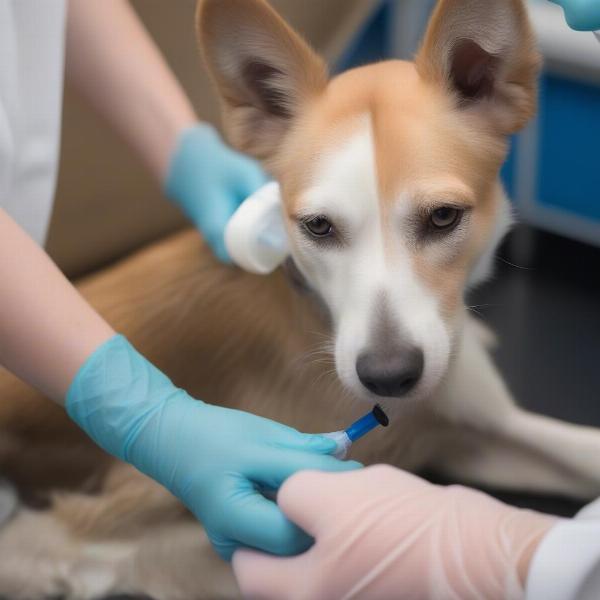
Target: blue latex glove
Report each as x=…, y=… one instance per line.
x=211, y=458
x=583, y=15
x=209, y=180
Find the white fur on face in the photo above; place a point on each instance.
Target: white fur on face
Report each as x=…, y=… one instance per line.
x=502, y=224
x=370, y=268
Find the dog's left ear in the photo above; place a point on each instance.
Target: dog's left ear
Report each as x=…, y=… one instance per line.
x=484, y=53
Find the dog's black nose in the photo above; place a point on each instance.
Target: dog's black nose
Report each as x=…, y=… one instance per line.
x=393, y=374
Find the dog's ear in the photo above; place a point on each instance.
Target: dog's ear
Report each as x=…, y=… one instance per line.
x=263, y=70
x=484, y=52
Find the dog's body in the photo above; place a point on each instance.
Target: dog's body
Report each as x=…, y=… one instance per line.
x=125, y=533
x=398, y=148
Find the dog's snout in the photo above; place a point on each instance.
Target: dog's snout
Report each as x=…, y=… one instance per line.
x=393, y=374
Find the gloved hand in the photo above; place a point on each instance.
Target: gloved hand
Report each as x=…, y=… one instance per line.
x=583, y=15
x=209, y=180
x=382, y=533
x=212, y=458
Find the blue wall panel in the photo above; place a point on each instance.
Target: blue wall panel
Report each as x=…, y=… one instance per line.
x=569, y=147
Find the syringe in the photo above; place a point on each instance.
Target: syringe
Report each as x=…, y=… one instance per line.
x=358, y=429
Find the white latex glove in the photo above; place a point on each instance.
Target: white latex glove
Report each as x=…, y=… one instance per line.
x=382, y=533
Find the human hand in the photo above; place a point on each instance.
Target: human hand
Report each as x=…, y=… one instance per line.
x=583, y=15
x=209, y=180
x=213, y=459
x=382, y=533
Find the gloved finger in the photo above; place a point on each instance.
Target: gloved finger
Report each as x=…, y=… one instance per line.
x=581, y=15
x=212, y=220
x=213, y=213
x=307, y=497
x=271, y=469
x=219, y=248
x=258, y=523
x=264, y=577
x=292, y=439
x=250, y=177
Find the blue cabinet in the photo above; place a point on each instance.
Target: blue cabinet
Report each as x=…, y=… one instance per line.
x=569, y=146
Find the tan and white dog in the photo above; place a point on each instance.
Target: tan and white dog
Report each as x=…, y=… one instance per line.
x=394, y=209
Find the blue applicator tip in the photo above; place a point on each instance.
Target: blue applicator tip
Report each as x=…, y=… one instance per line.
x=367, y=423
x=345, y=438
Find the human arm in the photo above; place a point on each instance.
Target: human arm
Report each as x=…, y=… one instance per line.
x=382, y=533
x=47, y=330
x=212, y=458
x=115, y=64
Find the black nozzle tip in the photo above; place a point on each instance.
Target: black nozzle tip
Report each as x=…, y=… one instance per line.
x=381, y=417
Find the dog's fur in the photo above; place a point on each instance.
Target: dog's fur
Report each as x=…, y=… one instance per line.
x=375, y=150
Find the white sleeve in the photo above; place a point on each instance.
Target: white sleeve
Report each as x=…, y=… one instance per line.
x=566, y=566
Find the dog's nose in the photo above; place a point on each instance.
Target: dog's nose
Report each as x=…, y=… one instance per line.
x=391, y=375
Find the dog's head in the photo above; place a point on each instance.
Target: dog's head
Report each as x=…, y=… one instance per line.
x=389, y=172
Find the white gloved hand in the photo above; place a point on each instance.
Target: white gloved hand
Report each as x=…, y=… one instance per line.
x=382, y=533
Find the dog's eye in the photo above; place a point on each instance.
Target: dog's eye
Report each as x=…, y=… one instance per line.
x=319, y=226
x=445, y=218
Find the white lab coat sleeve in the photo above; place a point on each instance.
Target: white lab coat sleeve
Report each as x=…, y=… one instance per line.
x=566, y=565
x=32, y=44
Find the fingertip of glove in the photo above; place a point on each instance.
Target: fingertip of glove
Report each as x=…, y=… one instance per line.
x=294, y=542
x=336, y=465
x=222, y=254
x=352, y=465
x=216, y=242
x=321, y=444
x=255, y=179
x=225, y=551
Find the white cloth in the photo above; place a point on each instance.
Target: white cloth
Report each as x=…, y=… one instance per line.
x=31, y=83
x=566, y=565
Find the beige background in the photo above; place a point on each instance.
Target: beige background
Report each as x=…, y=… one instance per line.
x=106, y=203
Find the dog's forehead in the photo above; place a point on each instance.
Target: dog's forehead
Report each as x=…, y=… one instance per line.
x=382, y=127
x=343, y=180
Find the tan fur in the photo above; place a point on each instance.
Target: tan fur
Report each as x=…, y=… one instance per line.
x=258, y=344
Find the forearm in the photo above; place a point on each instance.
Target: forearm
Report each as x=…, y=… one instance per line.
x=113, y=62
x=47, y=330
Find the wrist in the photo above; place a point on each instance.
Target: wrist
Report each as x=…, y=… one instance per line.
x=174, y=131
x=190, y=143
x=532, y=534
x=114, y=394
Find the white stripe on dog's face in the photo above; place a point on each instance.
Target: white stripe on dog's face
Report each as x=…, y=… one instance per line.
x=365, y=273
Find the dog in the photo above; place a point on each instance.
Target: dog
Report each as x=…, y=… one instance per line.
x=393, y=209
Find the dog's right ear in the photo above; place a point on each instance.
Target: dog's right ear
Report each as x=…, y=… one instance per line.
x=264, y=71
